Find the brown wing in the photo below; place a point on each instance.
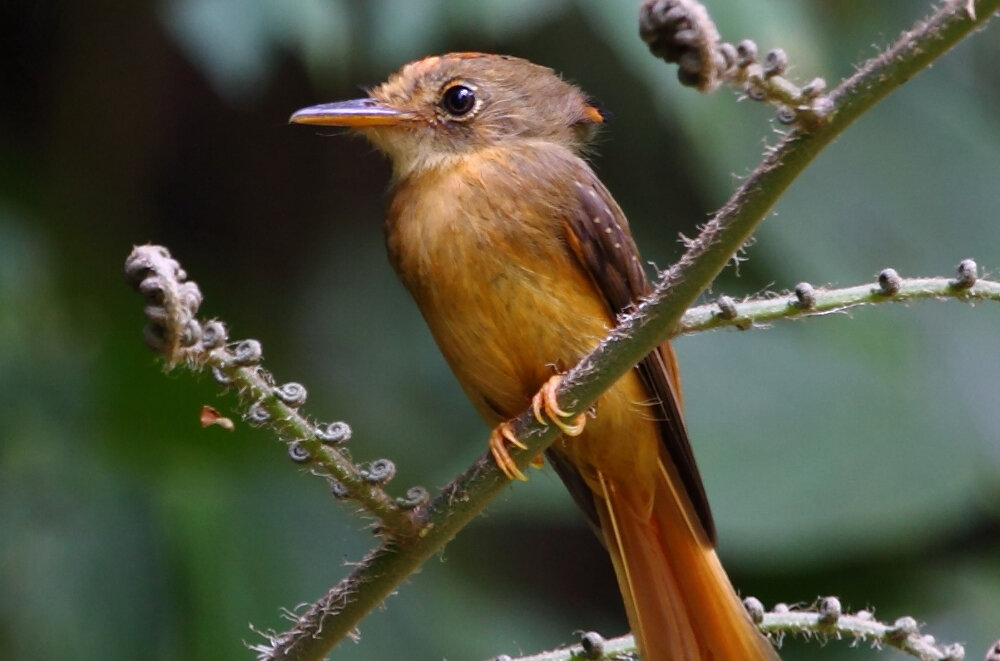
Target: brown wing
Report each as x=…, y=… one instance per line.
x=598, y=235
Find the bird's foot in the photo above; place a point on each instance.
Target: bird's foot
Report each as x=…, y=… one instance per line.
x=546, y=410
x=501, y=435
x=545, y=400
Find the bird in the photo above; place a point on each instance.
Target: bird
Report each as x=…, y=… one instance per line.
x=520, y=261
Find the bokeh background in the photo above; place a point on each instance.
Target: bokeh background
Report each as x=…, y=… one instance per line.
x=856, y=455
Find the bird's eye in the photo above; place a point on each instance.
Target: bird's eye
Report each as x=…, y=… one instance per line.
x=458, y=100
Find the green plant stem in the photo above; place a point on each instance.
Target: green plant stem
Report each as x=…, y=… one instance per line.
x=764, y=310
x=253, y=384
x=904, y=635
x=338, y=613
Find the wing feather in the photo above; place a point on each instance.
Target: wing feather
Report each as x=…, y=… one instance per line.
x=598, y=235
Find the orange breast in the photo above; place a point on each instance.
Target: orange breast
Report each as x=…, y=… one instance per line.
x=505, y=299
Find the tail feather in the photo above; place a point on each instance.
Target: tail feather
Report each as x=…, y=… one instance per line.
x=679, y=601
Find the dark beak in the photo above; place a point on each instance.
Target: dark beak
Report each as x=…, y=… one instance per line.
x=357, y=113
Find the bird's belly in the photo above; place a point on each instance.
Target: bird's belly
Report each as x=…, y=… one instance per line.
x=506, y=328
x=509, y=306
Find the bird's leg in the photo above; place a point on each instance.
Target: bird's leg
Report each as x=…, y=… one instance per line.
x=545, y=399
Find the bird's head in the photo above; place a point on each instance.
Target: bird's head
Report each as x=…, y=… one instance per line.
x=434, y=110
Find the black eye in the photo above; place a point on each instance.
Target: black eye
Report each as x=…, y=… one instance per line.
x=458, y=100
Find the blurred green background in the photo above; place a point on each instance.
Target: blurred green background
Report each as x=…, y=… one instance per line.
x=856, y=455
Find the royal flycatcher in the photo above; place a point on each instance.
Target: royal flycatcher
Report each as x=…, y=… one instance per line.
x=519, y=260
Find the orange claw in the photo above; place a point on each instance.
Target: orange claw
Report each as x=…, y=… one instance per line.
x=546, y=408
x=499, y=437
x=545, y=399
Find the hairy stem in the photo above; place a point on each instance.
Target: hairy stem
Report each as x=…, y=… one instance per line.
x=808, y=301
x=824, y=620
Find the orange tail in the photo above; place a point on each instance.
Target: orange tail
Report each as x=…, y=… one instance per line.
x=680, y=603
